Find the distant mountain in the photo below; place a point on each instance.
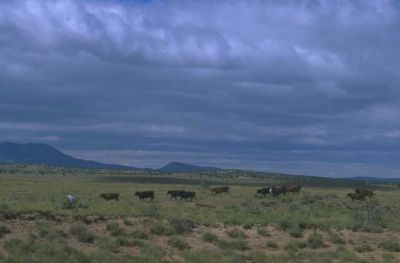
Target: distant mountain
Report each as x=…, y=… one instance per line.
x=375, y=179
x=34, y=153
x=177, y=167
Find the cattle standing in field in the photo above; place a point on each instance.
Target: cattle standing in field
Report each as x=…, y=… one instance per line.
x=186, y=195
x=264, y=191
x=295, y=189
x=110, y=196
x=356, y=196
x=145, y=194
x=175, y=193
x=364, y=192
x=220, y=190
x=276, y=191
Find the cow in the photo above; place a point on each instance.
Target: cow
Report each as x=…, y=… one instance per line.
x=220, y=190
x=145, y=194
x=187, y=194
x=70, y=201
x=295, y=189
x=356, y=196
x=175, y=193
x=364, y=192
x=264, y=191
x=276, y=191
x=110, y=196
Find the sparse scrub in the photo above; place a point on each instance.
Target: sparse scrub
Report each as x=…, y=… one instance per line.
x=80, y=232
x=390, y=245
x=236, y=233
x=181, y=226
x=263, y=232
x=115, y=229
x=162, y=229
x=209, y=237
x=315, y=241
x=295, y=231
x=178, y=243
x=239, y=244
x=4, y=230
x=335, y=238
x=272, y=244
x=363, y=248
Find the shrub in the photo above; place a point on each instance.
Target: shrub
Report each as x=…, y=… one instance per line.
x=17, y=246
x=390, y=245
x=160, y=229
x=236, y=233
x=363, y=248
x=109, y=244
x=335, y=238
x=4, y=230
x=81, y=233
x=272, y=244
x=284, y=224
x=290, y=246
x=314, y=241
x=139, y=234
x=210, y=237
x=130, y=242
x=248, y=226
x=115, y=229
x=239, y=245
x=371, y=229
x=296, y=231
x=178, y=243
x=181, y=226
x=263, y=232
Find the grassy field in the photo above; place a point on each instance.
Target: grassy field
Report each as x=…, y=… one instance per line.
x=318, y=225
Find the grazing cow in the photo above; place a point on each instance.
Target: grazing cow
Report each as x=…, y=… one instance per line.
x=145, y=194
x=364, y=192
x=276, y=191
x=295, y=189
x=175, y=193
x=356, y=196
x=264, y=191
x=110, y=196
x=220, y=190
x=71, y=201
x=187, y=194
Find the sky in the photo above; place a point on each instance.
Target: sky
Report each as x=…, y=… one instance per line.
x=296, y=86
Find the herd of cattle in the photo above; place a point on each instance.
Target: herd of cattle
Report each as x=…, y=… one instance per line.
x=359, y=194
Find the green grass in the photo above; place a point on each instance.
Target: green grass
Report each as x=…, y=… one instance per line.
x=310, y=220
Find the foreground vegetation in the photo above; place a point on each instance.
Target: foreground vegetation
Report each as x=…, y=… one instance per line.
x=318, y=225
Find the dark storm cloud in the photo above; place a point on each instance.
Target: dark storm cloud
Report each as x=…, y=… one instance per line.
x=306, y=87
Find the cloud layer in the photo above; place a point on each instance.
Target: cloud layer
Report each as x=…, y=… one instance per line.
x=308, y=87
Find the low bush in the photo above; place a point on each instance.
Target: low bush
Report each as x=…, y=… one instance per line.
x=210, y=237
x=178, y=243
x=181, y=226
x=81, y=233
x=295, y=231
x=272, y=244
x=314, y=241
x=115, y=229
x=239, y=245
x=335, y=238
x=363, y=248
x=4, y=230
x=236, y=233
x=263, y=232
x=390, y=245
x=162, y=229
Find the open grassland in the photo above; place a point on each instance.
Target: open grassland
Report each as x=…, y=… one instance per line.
x=317, y=225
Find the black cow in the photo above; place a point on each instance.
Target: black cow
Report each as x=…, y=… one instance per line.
x=264, y=191
x=276, y=191
x=356, y=196
x=110, y=196
x=364, y=192
x=145, y=194
x=220, y=190
x=175, y=193
x=187, y=194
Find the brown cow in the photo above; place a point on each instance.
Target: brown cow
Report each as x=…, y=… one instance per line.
x=356, y=196
x=110, y=196
x=220, y=190
x=295, y=189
